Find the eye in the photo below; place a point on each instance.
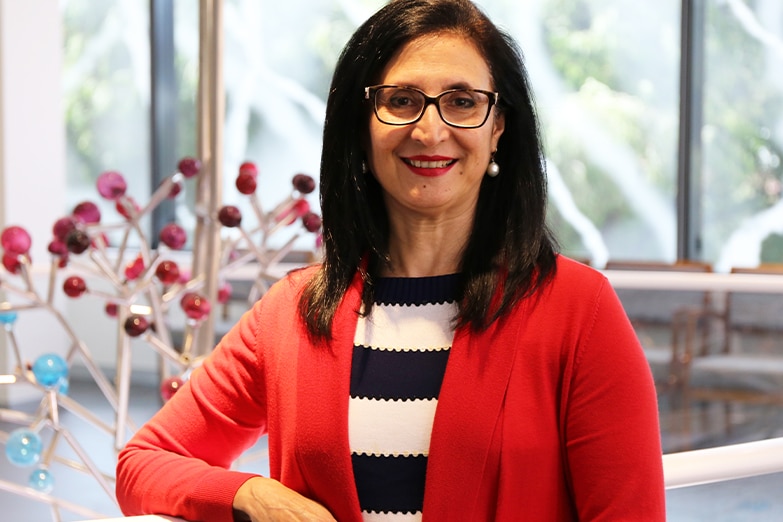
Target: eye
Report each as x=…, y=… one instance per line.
x=401, y=98
x=462, y=100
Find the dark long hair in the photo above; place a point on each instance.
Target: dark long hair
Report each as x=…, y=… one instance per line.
x=510, y=252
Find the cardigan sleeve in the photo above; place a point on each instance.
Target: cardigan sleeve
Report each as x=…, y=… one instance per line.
x=178, y=462
x=612, y=433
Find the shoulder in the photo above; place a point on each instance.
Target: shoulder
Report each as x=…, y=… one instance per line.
x=291, y=284
x=572, y=276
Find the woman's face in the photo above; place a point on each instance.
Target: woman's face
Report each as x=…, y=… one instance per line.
x=429, y=169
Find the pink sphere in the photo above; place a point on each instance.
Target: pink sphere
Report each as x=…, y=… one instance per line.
x=111, y=309
x=111, y=185
x=63, y=226
x=15, y=240
x=224, y=292
x=127, y=207
x=291, y=213
x=195, y=306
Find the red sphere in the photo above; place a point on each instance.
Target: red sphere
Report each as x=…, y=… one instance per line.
x=246, y=183
x=135, y=325
x=176, y=188
x=248, y=167
x=169, y=387
x=12, y=263
x=77, y=241
x=111, y=185
x=134, y=269
x=87, y=212
x=304, y=183
x=74, y=286
x=111, y=309
x=311, y=222
x=230, y=216
x=195, y=306
x=15, y=240
x=292, y=212
x=167, y=272
x=224, y=292
x=173, y=236
x=127, y=207
x=189, y=167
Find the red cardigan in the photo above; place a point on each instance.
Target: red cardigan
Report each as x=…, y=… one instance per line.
x=549, y=415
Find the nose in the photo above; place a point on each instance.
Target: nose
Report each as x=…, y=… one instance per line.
x=430, y=128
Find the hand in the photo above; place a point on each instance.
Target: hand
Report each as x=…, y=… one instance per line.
x=264, y=499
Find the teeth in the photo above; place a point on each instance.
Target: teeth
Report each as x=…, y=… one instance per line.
x=429, y=164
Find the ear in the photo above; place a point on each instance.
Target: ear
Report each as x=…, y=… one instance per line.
x=498, y=126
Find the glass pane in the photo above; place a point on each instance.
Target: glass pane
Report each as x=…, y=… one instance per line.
x=605, y=73
x=741, y=136
x=106, y=78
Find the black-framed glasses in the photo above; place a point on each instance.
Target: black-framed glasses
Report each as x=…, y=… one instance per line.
x=462, y=108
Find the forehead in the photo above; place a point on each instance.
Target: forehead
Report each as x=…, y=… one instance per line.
x=441, y=60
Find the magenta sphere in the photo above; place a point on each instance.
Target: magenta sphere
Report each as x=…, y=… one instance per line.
x=173, y=236
x=88, y=212
x=63, y=226
x=15, y=240
x=111, y=185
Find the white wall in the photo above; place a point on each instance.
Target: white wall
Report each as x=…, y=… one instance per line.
x=32, y=155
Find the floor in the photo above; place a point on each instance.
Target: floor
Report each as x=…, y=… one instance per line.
x=700, y=425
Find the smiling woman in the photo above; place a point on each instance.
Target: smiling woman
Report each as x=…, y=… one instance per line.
x=442, y=335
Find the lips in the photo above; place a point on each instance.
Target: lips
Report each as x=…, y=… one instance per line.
x=430, y=165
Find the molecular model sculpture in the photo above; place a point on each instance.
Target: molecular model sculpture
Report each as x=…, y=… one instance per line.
x=138, y=285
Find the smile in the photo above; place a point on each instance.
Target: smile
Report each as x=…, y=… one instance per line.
x=439, y=164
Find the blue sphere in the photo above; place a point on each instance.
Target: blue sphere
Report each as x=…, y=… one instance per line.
x=23, y=447
x=8, y=317
x=41, y=480
x=49, y=369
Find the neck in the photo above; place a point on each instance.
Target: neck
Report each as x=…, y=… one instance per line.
x=426, y=249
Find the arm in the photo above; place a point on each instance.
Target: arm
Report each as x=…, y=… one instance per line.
x=178, y=462
x=611, y=422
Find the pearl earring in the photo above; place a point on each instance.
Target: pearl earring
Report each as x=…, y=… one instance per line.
x=493, y=169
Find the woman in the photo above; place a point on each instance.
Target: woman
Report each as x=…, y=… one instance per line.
x=443, y=362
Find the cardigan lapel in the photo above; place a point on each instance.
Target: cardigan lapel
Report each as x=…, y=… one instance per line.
x=323, y=390
x=469, y=406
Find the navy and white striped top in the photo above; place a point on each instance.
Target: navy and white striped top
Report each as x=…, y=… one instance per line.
x=399, y=359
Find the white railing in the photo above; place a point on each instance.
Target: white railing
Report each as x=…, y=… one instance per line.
x=705, y=466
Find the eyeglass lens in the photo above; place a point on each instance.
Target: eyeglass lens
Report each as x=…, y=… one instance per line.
x=462, y=107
